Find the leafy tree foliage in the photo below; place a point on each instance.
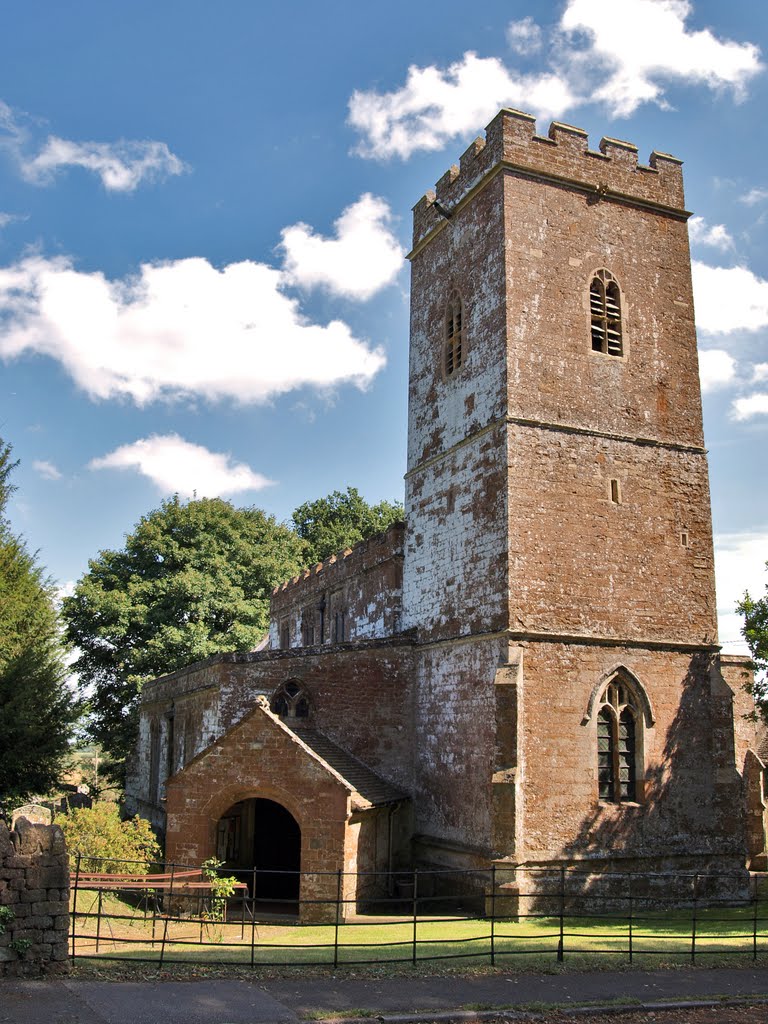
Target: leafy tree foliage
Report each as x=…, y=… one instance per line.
x=755, y=632
x=340, y=520
x=193, y=580
x=104, y=841
x=37, y=709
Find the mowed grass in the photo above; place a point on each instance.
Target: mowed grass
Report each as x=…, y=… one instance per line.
x=128, y=933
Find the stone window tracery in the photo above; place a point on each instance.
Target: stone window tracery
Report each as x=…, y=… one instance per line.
x=619, y=729
x=605, y=313
x=290, y=701
x=453, y=349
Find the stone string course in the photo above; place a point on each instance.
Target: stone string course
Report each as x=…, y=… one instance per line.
x=34, y=886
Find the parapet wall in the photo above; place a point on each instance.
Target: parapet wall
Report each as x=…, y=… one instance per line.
x=563, y=156
x=34, y=900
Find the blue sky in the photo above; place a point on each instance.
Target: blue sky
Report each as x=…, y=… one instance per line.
x=204, y=211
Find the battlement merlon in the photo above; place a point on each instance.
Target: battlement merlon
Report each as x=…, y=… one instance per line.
x=564, y=157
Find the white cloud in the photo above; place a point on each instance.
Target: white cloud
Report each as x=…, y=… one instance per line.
x=177, y=466
x=701, y=233
x=760, y=372
x=122, y=166
x=524, y=36
x=176, y=329
x=621, y=53
x=640, y=44
x=363, y=258
x=729, y=299
x=437, y=105
x=755, y=195
x=717, y=369
x=739, y=566
x=47, y=470
x=751, y=405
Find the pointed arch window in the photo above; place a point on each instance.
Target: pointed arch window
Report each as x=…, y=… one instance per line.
x=453, y=348
x=605, y=313
x=290, y=701
x=619, y=727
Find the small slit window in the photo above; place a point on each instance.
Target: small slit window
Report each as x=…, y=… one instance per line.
x=605, y=314
x=453, y=350
x=615, y=492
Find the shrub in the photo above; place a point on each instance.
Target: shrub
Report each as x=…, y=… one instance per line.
x=102, y=839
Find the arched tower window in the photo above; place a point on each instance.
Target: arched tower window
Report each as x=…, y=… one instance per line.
x=619, y=727
x=605, y=313
x=453, y=349
x=290, y=701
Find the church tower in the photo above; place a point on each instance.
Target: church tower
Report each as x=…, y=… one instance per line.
x=571, y=701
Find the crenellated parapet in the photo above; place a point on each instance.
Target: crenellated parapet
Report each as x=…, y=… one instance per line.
x=563, y=156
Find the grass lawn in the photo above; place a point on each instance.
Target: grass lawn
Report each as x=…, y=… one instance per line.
x=723, y=934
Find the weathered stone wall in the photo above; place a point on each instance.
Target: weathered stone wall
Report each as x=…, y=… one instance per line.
x=34, y=887
x=354, y=595
x=360, y=695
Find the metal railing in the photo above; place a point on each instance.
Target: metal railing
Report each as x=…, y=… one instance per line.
x=338, y=919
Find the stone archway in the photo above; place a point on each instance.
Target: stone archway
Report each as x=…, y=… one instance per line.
x=261, y=837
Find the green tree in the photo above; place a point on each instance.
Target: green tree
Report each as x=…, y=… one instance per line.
x=194, y=579
x=104, y=841
x=755, y=632
x=340, y=520
x=37, y=708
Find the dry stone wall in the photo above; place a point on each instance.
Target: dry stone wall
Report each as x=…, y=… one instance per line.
x=34, y=900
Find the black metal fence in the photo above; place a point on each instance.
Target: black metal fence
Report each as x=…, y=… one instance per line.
x=182, y=914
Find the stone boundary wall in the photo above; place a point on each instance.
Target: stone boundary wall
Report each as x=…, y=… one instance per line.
x=34, y=887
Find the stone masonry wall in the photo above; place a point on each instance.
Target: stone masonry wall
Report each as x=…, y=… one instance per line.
x=34, y=887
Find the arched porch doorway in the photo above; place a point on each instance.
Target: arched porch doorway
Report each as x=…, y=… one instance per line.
x=262, y=834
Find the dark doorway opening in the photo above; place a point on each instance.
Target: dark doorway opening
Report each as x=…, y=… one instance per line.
x=261, y=842
x=276, y=851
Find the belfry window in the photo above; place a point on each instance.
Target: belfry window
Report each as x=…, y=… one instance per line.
x=618, y=727
x=290, y=701
x=605, y=313
x=453, y=349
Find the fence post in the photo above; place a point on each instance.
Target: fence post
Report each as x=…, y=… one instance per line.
x=74, y=903
x=339, y=890
x=493, y=914
x=561, y=941
x=165, y=921
x=253, y=916
x=415, y=911
x=98, y=918
x=754, y=917
x=630, y=917
x=693, y=920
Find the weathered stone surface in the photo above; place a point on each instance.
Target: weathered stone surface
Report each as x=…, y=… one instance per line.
x=35, y=814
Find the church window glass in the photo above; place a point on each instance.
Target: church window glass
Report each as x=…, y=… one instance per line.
x=618, y=725
x=290, y=701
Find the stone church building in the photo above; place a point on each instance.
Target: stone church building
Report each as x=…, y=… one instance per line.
x=526, y=671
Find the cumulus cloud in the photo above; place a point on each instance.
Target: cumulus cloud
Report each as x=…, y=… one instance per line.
x=524, y=36
x=122, y=166
x=760, y=372
x=729, y=299
x=436, y=105
x=715, y=235
x=46, y=469
x=619, y=54
x=178, y=466
x=176, y=329
x=639, y=45
x=363, y=257
x=750, y=405
x=754, y=196
x=739, y=566
x=717, y=369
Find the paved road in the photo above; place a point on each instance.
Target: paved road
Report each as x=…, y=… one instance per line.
x=76, y=1001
